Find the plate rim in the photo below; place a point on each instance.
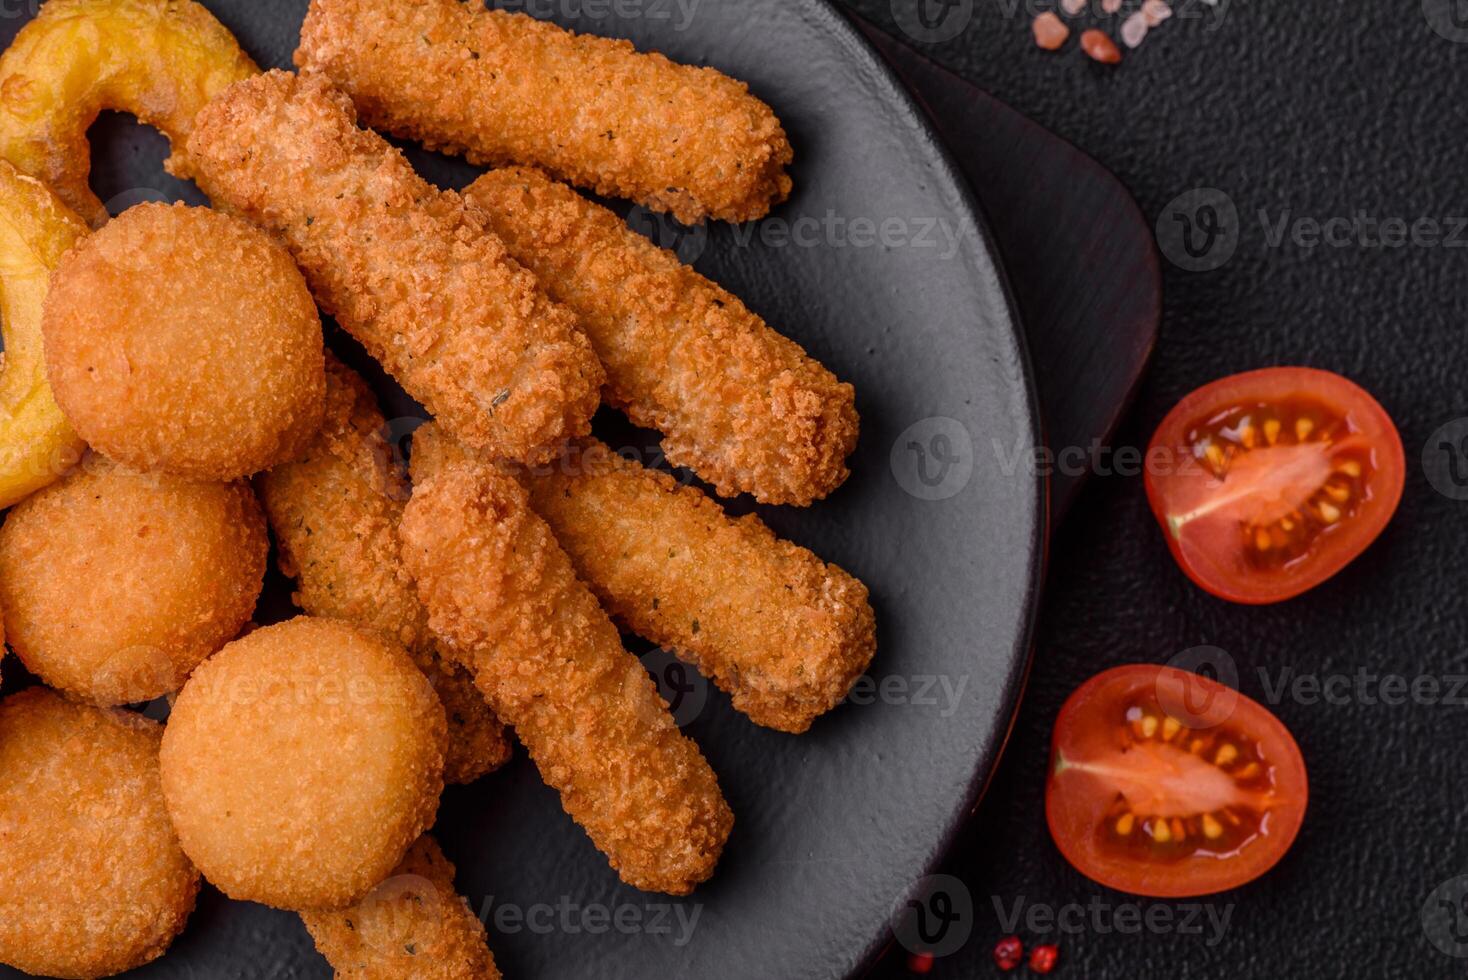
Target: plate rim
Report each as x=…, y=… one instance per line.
x=845, y=32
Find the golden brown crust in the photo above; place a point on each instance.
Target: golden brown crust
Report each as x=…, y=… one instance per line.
x=413, y=926
x=184, y=339
x=160, y=60
x=92, y=879
x=116, y=584
x=506, y=88
x=742, y=406
x=411, y=272
x=784, y=633
x=301, y=761
x=503, y=595
x=335, y=513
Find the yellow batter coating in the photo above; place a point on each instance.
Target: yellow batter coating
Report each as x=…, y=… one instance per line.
x=335, y=514
x=37, y=443
x=92, y=879
x=411, y=272
x=783, y=632
x=160, y=60
x=507, y=88
x=504, y=596
x=413, y=926
x=742, y=406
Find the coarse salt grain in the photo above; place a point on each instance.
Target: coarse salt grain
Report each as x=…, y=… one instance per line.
x=1073, y=7
x=1156, y=11
x=1110, y=6
x=1134, y=29
x=1050, y=31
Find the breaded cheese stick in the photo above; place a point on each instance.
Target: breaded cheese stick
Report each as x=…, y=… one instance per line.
x=783, y=632
x=413, y=926
x=408, y=270
x=503, y=595
x=335, y=514
x=742, y=406
x=506, y=88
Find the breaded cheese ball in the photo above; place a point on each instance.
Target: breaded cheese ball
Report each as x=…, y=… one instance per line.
x=183, y=339
x=115, y=584
x=301, y=761
x=92, y=879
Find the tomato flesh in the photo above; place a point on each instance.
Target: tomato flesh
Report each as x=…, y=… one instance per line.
x=1278, y=479
x=1145, y=801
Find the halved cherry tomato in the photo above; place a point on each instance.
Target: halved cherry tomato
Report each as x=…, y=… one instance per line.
x=1267, y=483
x=1169, y=784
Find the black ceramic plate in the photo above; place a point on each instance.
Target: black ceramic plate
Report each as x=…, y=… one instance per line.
x=880, y=267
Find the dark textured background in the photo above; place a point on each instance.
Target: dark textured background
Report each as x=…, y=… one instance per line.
x=1316, y=109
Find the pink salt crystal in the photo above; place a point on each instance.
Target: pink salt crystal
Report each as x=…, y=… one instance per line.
x=1110, y=6
x=1073, y=7
x=1156, y=11
x=1133, y=29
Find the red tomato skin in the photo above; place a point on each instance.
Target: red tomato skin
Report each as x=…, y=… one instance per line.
x=1284, y=381
x=1074, y=839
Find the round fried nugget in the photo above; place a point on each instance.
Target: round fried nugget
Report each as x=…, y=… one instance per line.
x=183, y=339
x=92, y=879
x=301, y=761
x=116, y=584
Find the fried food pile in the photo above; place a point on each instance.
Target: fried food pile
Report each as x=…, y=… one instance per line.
x=168, y=408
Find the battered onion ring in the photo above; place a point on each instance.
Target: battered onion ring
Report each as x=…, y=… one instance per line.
x=160, y=60
x=37, y=444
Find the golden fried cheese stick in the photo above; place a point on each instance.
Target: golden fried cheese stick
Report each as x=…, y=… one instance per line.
x=504, y=596
x=335, y=514
x=506, y=88
x=784, y=633
x=413, y=926
x=408, y=270
x=742, y=406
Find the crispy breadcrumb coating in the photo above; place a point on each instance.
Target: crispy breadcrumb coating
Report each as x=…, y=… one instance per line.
x=411, y=272
x=335, y=513
x=506, y=88
x=301, y=761
x=503, y=595
x=784, y=633
x=116, y=584
x=184, y=339
x=742, y=406
x=160, y=60
x=92, y=879
x=413, y=926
